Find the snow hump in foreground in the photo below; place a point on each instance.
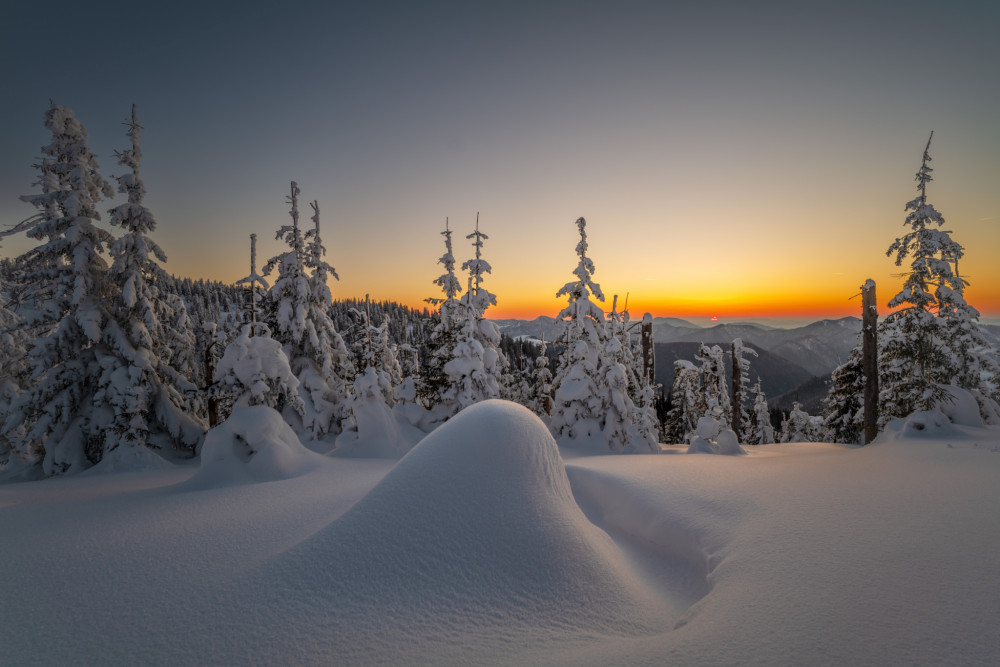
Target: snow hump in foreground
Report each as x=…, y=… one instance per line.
x=254, y=444
x=472, y=539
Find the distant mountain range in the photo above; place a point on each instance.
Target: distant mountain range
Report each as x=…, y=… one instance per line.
x=818, y=348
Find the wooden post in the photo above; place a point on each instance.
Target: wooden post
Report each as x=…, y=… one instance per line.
x=869, y=357
x=212, y=401
x=648, y=351
x=737, y=393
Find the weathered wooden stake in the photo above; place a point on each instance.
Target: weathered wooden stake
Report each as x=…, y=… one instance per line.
x=869, y=357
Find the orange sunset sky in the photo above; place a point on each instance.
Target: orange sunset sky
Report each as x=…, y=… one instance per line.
x=735, y=160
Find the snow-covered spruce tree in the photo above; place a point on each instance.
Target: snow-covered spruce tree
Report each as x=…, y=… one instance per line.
x=67, y=272
x=843, y=407
x=591, y=408
x=741, y=385
x=715, y=390
x=370, y=405
x=686, y=403
x=254, y=370
x=333, y=360
x=143, y=390
x=477, y=366
x=933, y=338
x=435, y=388
x=540, y=398
x=801, y=427
x=642, y=423
x=303, y=326
x=759, y=431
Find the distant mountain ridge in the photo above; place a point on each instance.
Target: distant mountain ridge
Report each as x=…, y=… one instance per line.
x=817, y=348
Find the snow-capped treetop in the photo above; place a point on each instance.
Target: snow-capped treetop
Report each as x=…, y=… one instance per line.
x=478, y=298
x=258, y=285
x=316, y=251
x=934, y=252
x=447, y=281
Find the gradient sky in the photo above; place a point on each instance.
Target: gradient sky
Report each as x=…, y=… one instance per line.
x=740, y=160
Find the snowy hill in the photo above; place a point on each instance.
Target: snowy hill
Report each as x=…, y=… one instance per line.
x=485, y=546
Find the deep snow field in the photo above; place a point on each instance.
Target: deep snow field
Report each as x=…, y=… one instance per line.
x=486, y=544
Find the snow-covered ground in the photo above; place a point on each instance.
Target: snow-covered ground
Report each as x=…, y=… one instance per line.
x=485, y=545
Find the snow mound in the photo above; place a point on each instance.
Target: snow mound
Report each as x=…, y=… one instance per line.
x=125, y=458
x=253, y=445
x=477, y=529
x=710, y=438
x=930, y=424
x=962, y=409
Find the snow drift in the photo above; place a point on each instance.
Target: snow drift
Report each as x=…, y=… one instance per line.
x=253, y=445
x=472, y=539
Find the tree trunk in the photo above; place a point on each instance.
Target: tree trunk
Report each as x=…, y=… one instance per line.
x=211, y=400
x=869, y=357
x=648, y=351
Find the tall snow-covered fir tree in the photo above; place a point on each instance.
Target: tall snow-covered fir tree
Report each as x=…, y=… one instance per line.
x=591, y=407
x=143, y=390
x=477, y=367
x=932, y=339
x=435, y=388
x=301, y=323
x=329, y=380
x=67, y=273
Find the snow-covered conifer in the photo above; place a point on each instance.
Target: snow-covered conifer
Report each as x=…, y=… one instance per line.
x=715, y=389
x=540, y=400
x=301, y=323
x=67, y=273
x=686, y=401
x=141, y=387
x=591, y=407
x=843, y=407
x=254, y=370
x=759, y=431
x=435, y=386
x=932, y=339
x=799, y=426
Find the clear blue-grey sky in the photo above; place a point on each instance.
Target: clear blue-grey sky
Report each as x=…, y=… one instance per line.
x=732, y=158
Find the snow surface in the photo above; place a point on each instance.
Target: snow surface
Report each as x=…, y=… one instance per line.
x=483, y=545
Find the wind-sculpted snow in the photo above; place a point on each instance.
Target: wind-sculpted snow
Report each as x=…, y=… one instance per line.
x=472, y=544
